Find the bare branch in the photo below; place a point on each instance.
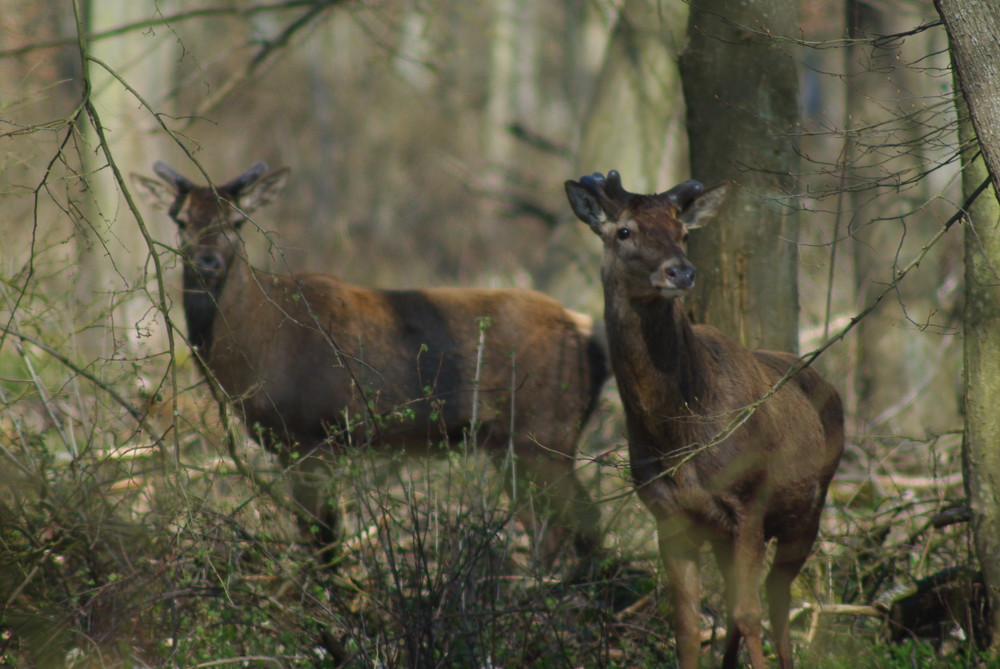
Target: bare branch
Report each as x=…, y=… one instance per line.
x=162, y=21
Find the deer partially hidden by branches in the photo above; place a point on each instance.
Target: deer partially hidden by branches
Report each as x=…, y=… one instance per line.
x=710, y=460
x=315, y=364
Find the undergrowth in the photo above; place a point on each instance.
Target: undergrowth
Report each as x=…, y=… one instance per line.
x=117, y=549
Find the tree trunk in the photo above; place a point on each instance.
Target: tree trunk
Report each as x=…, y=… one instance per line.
x=888, y=108
x=972, y=28
x=741, y=91
x=109, y=245
x=634, y=125
x=113, y=290
x=873, y=382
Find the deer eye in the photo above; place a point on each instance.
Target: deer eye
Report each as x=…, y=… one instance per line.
x=623, y=233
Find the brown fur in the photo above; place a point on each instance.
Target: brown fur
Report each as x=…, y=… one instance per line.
x=682, y=385
x=315, y=363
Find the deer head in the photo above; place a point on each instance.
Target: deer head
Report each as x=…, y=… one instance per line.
x=644, y=235
x=209, y=218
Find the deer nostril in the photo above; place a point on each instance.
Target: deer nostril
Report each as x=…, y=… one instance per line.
x=208, y=261
x=681, y=276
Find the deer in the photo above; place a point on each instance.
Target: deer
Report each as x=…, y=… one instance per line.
x=716, y=454
x=316, y=366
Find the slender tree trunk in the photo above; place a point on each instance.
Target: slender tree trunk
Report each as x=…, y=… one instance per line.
x=113, y=289
x=870, y=69
x=888, y=111
x=633, y=124
x=502, y=108
x=981, y=445
x=973, y=28
x=741, y=91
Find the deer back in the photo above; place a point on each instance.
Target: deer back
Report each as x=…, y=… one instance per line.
x=306, y=355
x=405, y=366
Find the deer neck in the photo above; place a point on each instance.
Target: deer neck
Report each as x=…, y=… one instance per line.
x=201, y=302
x=656, y=356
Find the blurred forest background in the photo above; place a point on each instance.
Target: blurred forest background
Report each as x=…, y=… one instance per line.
x=428, y=142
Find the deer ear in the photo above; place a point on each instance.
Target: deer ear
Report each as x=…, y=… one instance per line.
x=157, y=194
x=704, y=208
x=683, y=194
x=262, y=191
x=585, y=205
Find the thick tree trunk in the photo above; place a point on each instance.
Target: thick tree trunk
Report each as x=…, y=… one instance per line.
x=973, y=27
x=741, y=91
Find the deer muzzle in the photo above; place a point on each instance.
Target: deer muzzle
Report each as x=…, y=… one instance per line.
x=208, y=262
x=673, y=278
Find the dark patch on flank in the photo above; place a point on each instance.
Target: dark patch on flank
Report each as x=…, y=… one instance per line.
x=438, y=364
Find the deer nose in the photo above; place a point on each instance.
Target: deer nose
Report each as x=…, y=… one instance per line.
x=208, y=262
x=681, y=276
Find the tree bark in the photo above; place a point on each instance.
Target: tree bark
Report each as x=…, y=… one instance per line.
x=973, y=27
x=741, y=90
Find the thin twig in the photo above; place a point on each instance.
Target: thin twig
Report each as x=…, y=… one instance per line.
x=137, y=414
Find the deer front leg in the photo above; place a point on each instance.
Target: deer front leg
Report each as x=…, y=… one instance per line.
x=318, y=516
x=724, y=559
x=742, y=582
x=555, y=506
x=680, y=561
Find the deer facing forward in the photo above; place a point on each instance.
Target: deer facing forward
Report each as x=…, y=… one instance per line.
x=704, y=476
x=315, y=364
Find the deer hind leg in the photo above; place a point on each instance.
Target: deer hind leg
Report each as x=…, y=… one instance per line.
x=788, y=560
x=554, y=505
